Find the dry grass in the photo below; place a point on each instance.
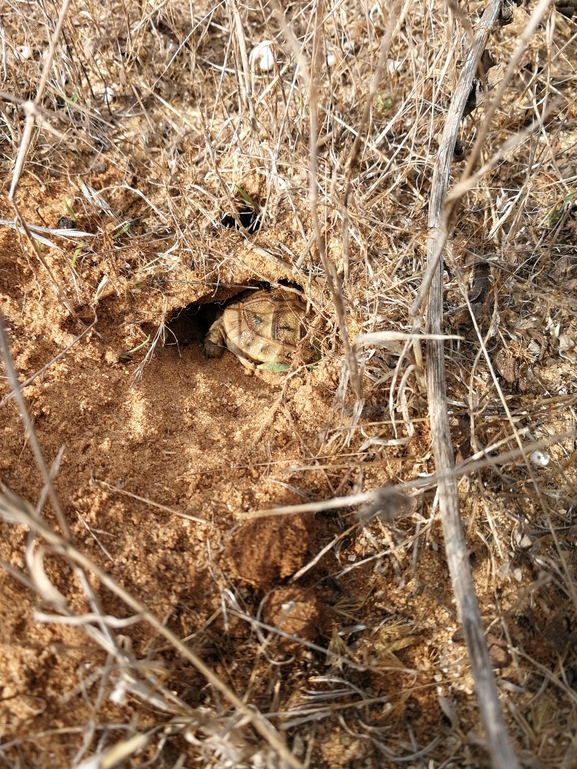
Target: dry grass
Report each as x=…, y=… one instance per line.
x=151, y=123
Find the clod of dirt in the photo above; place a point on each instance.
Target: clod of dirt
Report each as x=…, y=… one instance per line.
x=297, y=611
x=266, y=550
x=498, y=652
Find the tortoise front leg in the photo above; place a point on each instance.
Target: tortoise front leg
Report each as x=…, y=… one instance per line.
x=214, y=340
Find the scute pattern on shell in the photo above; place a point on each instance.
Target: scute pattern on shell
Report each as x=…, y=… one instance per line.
x=263, y=327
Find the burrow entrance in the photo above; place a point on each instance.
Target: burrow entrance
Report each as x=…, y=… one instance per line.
x=189, y=325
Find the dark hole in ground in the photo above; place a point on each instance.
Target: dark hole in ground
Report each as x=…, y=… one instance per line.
x=248, y=217
x=190, y=324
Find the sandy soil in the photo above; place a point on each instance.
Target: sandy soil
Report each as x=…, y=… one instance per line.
x=157, y=477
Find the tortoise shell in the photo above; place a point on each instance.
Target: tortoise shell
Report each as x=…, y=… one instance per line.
x=263, y=327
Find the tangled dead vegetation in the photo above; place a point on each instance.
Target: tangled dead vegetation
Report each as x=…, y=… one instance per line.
x=200, y=567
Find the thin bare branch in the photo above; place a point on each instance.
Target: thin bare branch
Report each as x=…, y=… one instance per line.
x=500, y=748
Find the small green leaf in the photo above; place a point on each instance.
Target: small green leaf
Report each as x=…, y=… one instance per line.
x=124, y=228
x=247, y=199
x=384, y=100
x=70, y=211
x=76, y=254
x=273, y=366
x=560, y=208
x=126, y=356
x=140, y=346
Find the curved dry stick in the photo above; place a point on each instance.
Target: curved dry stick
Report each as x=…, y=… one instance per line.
x=499, y=745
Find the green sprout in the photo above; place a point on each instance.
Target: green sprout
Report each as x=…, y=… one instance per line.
x=302, y=104
x=560, y=208
x=70, y=211
x=247, y=199
x=76, y=254
x=126, y=357
x=384, y=101
x=123, y=228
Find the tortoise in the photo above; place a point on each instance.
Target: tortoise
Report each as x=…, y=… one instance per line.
x=263, y=327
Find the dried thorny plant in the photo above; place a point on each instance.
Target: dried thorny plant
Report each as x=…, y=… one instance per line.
x=146, y=127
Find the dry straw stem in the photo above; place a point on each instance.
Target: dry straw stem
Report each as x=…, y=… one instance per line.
x=152, y=503
x=244, y=76
x=311, y=73
x=33, y=115
x=33, y=438
x=353, y=158
x=473, y=464
x=499, y=745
